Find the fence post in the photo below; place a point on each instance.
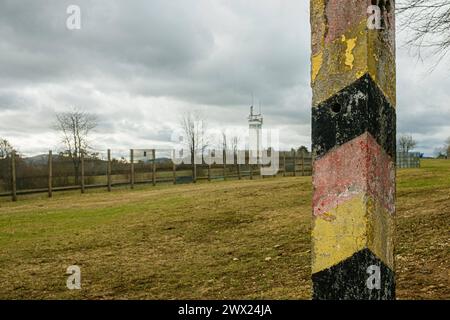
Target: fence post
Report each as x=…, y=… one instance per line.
x=13, y=176
x=209, y=172
x=275, y=174
x=247, y=159
x=154, y=167
x=50, y=173
x=194, y=172
x=174, y=169
x=303, y=164
x=260, y=172
x=132, y=168
x=295, y=163
x=224, y=165
x=109, y=170
x=82, y=171
x=238, y=167
x=284, y=164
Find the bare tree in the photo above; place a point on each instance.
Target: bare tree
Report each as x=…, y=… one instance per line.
x=194, y=126
x=447, y=147
x=440, y=153
x=224, y=140
x=429, y=23
x=235, y=147
x=229, y=146
x=406, y=143
x=75, y=127
x=5, y=148
x=303, y=150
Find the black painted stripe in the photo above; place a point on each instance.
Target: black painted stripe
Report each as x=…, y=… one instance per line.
x=348, y=280
x=359, y=108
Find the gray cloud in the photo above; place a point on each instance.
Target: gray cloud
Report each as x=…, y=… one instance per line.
x=139, y=64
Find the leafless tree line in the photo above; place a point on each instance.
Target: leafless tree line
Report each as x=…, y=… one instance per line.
x=444, y=152
x=5, y=148
x=406, y=143
x=428, y=21
x=194, y=127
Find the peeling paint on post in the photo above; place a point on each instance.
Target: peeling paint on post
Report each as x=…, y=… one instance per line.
x=353, y=137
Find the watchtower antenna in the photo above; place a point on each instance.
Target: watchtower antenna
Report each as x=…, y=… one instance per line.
x=255, y=122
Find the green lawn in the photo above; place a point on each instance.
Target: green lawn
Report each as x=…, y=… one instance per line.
x=234, y=239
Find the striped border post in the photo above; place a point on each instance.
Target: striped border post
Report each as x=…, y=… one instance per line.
x=353, y=137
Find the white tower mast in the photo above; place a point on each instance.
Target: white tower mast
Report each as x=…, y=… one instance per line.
x=255, y=122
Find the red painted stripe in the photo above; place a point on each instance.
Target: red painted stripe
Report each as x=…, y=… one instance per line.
x=358, y=166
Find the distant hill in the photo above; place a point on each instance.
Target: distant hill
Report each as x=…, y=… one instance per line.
x=38, y=160
x=42, y=159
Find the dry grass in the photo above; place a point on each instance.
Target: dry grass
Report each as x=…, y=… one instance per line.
x=205, y=241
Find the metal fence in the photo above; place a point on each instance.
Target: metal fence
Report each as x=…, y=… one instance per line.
x=408, y=160
x=47, y=173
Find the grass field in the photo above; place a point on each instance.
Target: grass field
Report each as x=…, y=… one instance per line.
x=223, y=240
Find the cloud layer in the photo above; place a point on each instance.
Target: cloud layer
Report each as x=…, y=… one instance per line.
x=140, y=64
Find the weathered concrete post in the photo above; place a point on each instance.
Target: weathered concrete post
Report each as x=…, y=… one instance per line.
x=353, y=136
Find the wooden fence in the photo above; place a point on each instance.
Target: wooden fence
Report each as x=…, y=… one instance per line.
x=56, y=173
x=408, y=160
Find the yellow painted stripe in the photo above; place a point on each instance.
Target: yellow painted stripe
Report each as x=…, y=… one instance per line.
x=357, y=52
x=354, y=225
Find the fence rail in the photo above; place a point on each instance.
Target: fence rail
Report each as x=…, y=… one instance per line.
x=50, y=173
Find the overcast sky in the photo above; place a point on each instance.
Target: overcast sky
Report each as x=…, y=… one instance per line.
x=138, y=65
